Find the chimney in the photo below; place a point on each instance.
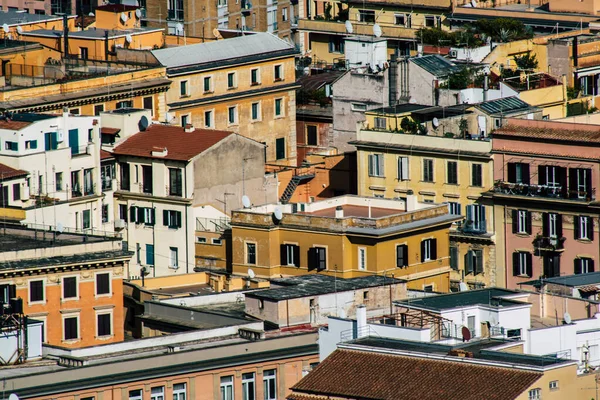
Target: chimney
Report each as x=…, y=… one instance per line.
x=411, y=201
x=486, y=85
x=189, y=128
x=393, y=80
x=66, y=34
x=339, y=212
x=361, y=321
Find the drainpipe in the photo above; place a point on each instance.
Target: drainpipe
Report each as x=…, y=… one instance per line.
x=485, y=87
x=66, y=34
x=187, y=261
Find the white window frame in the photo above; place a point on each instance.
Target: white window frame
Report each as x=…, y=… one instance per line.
x=258, y=80
x=522, y=263
x=377, y=165
x=184, y=117
x=358, y=107
x=234, y=80
x=158, y=395
x=584, y=221
x=585, y=265
x=259, y=112
x=216, y=241
x=581, y=181
x=403, y=169
x=280, y=66
x=43, y=301
x=67, y=316
x=180, y=391
x=187, y=88
x=138, y=396
x=173, y=262
x=552, y=226
x=62, y=288
x=403, y=16
x=289, y=252
x=109, y=294
x=431, y=168
x=211, y=123
x=553, y=385
x=235, y=115
x=362, y=258
x=281, y=108
x=226, y=383
x=454, y=207
x=427, y=250
x=112, y=325
x=246, y=395
x=534, y=394
x=246, y=252
x=522, y=221
x=266, y=381
x=211, y=87
x=380, y=123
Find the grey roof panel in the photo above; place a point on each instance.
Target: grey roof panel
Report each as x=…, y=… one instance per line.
x=504, y=105
x=462, y=299
x=436, y=65
x=12, y=17
x=593, y=278
x=238, y=47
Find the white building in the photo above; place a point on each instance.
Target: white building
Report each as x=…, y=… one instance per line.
x=61, y=154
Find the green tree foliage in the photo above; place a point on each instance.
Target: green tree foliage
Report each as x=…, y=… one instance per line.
x=503, y=29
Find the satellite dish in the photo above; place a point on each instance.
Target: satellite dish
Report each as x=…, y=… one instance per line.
x=462, y=287
x=466, y=334
x=435, y=122
x=216, y=33
x=128, y=38
x=13, y=396
x=567, y=318
x=251, y=273
x=377, y=30
x=349, y=28
x=278, y=214
x=5, y=28
x=19, y=29
x=138, y=13
x=143, y=124
x=246, y=201
x=123, y=17
x=60, y=228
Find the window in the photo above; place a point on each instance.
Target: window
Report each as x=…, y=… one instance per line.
x=124, y=104
x=401, y=256
x=88, y=182
x=476, y=175
x=179, y=391
x=148, y=103
x=551, y=265
x=142, y=215
x=583, y=227
x=251, y=253
x=359, y=107
x=207, y=84
x=584, y=265
x=107, y=174
x=231, y=80
x=518, y=173
x=14, y=146
x=362, y=258
x=216, y=241
x=553, y=385
x=380, y=123
x=74, y=111
x=51, y=140
x=175, y=182
x=255, y=107
x=36, y=291
x=551, y=225
x=580, y=183
x=123, y=212
x=103, y=283
x=521, y=222
x=311, y=135
x=185, y=119
x=70, y=331
x=552, y=176
x=366, y=16
x=535, y=394
x=452, y=173
x=432, y=21
x=278, y=107
x=183, y=88
x=232, y=115
x=149, y=254
x=31, y=144
x=135, y=394
x=69, y=287
x=138, y=252
x=254, y=76
x=454, y=208
x=400, y=19
x=454, y=258
x=147, y=179
x=104, y=213
x=174, y=257
x=157, y=393
x=317, y=258
x=98, y=108
x=124, y=170
x=227, y=388
x=248, y=382
x=290, y=255
x=428, y=288
x=403, y=169
x=279, y=148
x=475, y=221
x=16, y=188
x=474, y=262
x=428, y=250
x=278, y=69
x=428, y=170
x=104, y=328
x=336, y=45
x=270, y=384
x=376, y=165
x=200, y=239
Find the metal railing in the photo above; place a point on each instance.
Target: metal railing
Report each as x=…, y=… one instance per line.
x=212, y=224
x=548, y=191
x=66, y=230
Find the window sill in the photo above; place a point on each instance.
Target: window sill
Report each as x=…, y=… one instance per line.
x=255, y=84
x=522, y=234
x=376, y=176
x=232, y=88
x=584, y=241
x=36, y=303
x=104, y=337
x=69, y=299
x=279, y=116
x=255, y=121
x=70, y=341
x=451, y=184
x=104, y=295
x=184, y=96
x=278, y=80
x=174, y=267
x=208, y=92
x=522, y=276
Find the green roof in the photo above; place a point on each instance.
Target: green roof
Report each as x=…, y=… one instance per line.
x=504, y=106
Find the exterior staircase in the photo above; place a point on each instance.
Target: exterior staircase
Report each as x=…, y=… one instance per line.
x=291, y=187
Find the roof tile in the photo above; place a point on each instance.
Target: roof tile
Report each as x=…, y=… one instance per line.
x=550, y=130
x=7, y=172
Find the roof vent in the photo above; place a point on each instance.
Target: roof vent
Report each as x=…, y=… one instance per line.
x=339, y=212
x=189, y=128
x=159, y=152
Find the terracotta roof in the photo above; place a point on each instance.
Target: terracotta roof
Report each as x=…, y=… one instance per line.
x=7, y=172
x=13, y=125
x=519, y=150
x=109, y=131
x=105, y=155
x=180, y=145
x=369, y=375
x=550, y=130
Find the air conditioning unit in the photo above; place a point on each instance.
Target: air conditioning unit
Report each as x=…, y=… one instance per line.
x=453, y=54
x=24, y=192
x=119, y=223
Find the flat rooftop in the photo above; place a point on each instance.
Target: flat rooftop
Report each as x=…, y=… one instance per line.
x=16, y=237
x=493, y=297
x=355, y=211
x=316, y=285
x=592, y=278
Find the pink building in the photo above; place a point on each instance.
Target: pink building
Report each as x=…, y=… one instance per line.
x=545, y=179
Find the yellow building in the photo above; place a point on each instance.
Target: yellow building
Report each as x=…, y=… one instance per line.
x=323, y=29
x=347, y=237
x=437, y=169
x=244, y=84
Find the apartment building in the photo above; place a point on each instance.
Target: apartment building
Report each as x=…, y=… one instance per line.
x=203, y=19
x=245, y=84
x=448, y=169
x=545, y=179
x=162, y=172
x=72, y=283
x=62, y=156
x=346, y=236
x=13, y=186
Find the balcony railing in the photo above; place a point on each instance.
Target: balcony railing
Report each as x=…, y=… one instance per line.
x=547, y=191
x=544, y=243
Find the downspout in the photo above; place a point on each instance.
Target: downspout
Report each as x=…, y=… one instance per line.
x=66, y=34
x=187, y=261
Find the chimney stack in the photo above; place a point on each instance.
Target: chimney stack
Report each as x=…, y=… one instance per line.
x=486, y=85
x=411, y=201
x=361, y=321
x=339, y=212
x=189, y=128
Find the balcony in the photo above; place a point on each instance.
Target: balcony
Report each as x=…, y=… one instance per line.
x=543, y=243
x=543, y=191
x=175, y=15
x=360, y=28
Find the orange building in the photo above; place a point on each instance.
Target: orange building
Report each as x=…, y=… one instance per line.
x=73, y=283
